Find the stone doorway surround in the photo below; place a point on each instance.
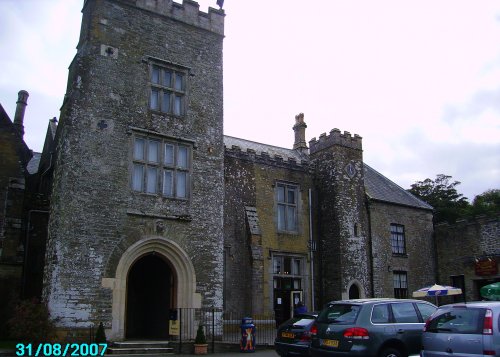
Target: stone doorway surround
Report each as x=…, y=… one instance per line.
x=181, y=265
x=358, y=286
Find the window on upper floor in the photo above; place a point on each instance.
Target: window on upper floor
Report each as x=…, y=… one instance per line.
x=161, y=167
x=287, y=197
x=400, y=280
x=168, y=90
x=398, y=243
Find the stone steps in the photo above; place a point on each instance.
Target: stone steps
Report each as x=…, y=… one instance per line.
x=140, y=348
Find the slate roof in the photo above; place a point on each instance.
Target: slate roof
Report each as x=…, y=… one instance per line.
x=230, y=141
x=380, y=188
x=34, y=163
x=377, y=186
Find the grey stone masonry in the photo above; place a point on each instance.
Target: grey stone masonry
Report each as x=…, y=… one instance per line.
x=96, y=216
x=335, y=138
x=343, y=250
x=462, y=246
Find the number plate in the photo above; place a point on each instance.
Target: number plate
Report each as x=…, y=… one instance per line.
x=330, y=343
x=288, y=334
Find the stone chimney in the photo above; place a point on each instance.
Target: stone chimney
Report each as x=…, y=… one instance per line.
x=22, y=102
x=300, y=133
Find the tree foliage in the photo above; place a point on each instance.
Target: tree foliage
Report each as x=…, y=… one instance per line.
x=449, y=205
x=100, y=336
x=441, y=193
x=200, y=338
x=31, y=322
x=487, y=203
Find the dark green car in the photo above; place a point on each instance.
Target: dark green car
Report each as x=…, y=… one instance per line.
x=294, y=336
x=370, y=327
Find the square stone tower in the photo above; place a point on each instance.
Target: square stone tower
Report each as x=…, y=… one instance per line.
x=137, y=206
x=343, y=230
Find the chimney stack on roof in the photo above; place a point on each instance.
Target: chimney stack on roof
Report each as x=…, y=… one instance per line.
x=300, y=133
x=22, y=102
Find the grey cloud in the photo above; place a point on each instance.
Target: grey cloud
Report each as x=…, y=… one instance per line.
x=479, y=103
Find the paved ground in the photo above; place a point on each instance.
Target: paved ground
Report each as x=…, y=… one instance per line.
x=259, y=352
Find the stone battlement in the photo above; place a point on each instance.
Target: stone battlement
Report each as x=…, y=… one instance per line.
x=335, y=138
x=187, y=12
x=266, y=159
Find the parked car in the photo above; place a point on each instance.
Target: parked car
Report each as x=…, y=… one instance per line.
x=463, y=329
x=294, y=336
x=370, y=327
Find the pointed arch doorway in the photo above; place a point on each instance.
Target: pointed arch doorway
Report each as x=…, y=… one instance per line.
x=182, y=269
x=354, y=292
x=151, y=289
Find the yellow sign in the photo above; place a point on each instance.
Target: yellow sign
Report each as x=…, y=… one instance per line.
x=331, y=343
x=173, y=327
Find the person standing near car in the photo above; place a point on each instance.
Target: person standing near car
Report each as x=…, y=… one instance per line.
x=299, y=308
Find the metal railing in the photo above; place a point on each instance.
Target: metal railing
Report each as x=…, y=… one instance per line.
x=222, y=326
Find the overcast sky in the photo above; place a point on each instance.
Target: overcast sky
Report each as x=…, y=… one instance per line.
x=418, y=80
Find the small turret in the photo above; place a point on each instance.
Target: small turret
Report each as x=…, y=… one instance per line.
x=22, y=102
x=300, y=133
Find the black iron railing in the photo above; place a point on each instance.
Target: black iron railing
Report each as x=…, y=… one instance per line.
x=221, y=326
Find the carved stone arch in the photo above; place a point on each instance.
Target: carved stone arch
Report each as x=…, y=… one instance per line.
x=176, y=257
x=353, y=286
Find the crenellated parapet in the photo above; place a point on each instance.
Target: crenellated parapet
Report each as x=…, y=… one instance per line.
x=335, y=138
x=264, y=158
x=187, y=12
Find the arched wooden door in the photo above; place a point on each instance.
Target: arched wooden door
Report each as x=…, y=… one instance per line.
x=150, y=291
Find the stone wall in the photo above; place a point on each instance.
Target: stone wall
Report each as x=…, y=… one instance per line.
x=419, y=260
x=251, y=182
x=96, y=216
x=343, y=249
x=239, y=192
x=463, y=245
x=14, y=155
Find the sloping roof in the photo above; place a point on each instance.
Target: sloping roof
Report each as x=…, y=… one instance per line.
x=380, y=188
x=8, y=129
x=230, y=141
x=377, y=186
x=34, y=163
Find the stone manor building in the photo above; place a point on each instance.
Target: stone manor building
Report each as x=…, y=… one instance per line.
x=149, y=207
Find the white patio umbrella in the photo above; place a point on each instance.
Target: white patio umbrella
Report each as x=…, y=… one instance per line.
x=437, y=290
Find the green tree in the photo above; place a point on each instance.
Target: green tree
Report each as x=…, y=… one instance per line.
x=100, y=336
x=441, y=193
x=487, y=203
x=31, y=322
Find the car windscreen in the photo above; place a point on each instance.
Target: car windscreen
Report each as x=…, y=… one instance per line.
x=339, y=313
x=457, y=320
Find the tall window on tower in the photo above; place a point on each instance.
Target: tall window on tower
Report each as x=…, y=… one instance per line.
x=161, y=167
x=168, y=90
x=286, y=197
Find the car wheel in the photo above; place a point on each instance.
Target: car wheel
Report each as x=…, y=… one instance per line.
x=391, y=352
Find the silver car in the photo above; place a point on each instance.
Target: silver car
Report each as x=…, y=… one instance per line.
x=464, y=329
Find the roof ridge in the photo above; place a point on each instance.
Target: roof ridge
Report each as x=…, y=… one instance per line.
x=257, y=142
